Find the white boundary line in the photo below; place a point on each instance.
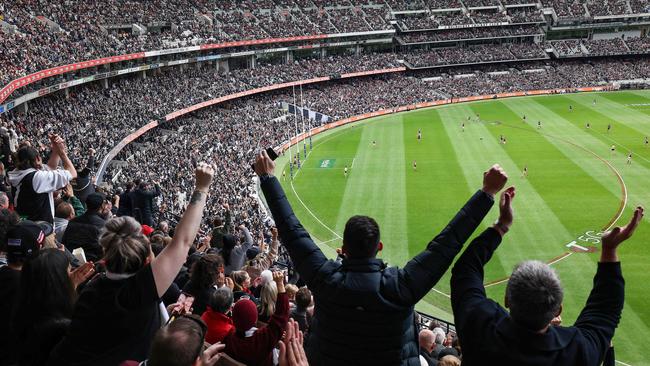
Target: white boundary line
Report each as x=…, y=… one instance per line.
x=312, y=214
x=303, y=203
x=622, y=363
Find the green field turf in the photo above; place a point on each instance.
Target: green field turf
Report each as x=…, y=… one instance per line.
x=570, y=191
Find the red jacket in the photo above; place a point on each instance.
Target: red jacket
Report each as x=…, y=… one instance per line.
x=219, y=325
x=257, y=349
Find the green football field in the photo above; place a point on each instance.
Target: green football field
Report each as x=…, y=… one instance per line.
x=576, y=187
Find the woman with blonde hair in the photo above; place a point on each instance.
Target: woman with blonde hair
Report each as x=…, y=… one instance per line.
x=118, y=313
x=268, y=297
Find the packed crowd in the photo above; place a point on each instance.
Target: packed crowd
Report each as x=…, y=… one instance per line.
x=96, y=117
x=602, y=47
x=605, y=47
x=100, y=257
x=475, y=16
x=475, y=54
x=95, y=30
x=470, y=33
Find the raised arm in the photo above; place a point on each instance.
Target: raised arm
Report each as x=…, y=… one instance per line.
x=271, y=334
x=248, y=239
x=602, y=313
x=227, y=226
x=59, y=149
x=166, y=265
x=53, y=161
x=467, y=276
x=421, y=273
x=306, y=256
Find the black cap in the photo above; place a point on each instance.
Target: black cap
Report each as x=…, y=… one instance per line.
x=25, y=239
x=94, y=201
x=252, y=252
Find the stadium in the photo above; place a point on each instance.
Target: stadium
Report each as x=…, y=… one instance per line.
x=128, y=202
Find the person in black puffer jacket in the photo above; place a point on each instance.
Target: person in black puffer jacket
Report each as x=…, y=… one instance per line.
x=364, y=310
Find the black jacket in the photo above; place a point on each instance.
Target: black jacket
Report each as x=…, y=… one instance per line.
x=364, y=309
x=83, y=185
x=84, y=232
x=142, y=202
x=490, y=337
x=126, y=206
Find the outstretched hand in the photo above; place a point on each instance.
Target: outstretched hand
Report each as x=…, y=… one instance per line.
x=494, y=179
x=278, y=277
x=506, y=215
x=292, y=352
x=613, y=238
x=263, y=164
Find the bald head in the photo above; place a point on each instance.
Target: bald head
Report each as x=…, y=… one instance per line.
x=427, y=340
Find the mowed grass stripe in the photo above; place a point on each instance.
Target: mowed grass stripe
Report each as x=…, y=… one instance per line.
x=591, y=186
x=558, y=124
x=527, y=239
x=376, y=187
x=564, y=193
x=623, y=135
x=430, y=206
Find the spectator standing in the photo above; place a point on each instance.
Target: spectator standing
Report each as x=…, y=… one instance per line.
x=67, y=195
x=216, y=315
x=234, y=253
x=83, y=184
x=44, y=305
x=203, y=278
x=254, y=346
x=491, y=335
x=35, y=183
x=126, y=205
x=84, y=231
x=180, y=343
x=439, y=339
x=221, y=228
x=62, y=216
x=362, y=290
x=300, y=313
x=427, y=343
x=268, y=298
x=143, y=205
x=124, y=303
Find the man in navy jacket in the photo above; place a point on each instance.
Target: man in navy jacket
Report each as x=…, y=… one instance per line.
x=363, y=308
x=491, y=336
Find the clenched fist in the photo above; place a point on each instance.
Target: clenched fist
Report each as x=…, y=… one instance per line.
x=494, y=180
